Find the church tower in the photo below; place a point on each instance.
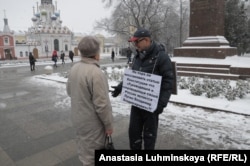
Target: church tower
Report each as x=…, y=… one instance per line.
x=6, y=28
x=47, y=33
x=7, y=46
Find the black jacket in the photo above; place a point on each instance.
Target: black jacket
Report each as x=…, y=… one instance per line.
x=32, y=59
x=156, y=61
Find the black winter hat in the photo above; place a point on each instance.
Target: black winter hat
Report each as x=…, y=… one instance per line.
x=139, y=33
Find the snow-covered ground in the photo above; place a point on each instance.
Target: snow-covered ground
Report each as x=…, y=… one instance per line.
x=200, y=128
x=44, y=61
x=234, y=61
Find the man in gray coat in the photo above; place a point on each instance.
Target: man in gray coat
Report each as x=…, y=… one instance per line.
x=90, y=104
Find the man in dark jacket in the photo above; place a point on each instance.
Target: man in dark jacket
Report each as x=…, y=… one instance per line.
x=62, y=57
x=32, y=61
x=71, y=55
x=129, y=54
x=151, y=58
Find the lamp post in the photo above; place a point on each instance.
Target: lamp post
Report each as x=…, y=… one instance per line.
x=29, y=46
x=46, y=47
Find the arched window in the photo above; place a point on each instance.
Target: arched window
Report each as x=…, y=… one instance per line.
x=56, y=44
x=6, y=41
x=21, y=54
x=66, y=47
x=26, y=53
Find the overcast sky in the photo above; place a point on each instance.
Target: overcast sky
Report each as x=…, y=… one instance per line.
x=77, y=15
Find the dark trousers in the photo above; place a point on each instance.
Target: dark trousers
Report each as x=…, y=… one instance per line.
x=55, y=65
x=32, y=66
x=129, y=60
x=63, y=61
x=143, y=126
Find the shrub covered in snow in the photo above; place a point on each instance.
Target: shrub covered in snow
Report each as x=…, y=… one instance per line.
x=210, y=88
x=114, y=73
x=215, y=88
x=197, y=89
x=182, y=83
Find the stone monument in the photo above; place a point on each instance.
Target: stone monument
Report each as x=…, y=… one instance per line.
x=206, y=33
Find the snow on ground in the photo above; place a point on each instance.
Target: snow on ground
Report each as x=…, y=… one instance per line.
x=199, y=128
x=234, y=61
x=44, y=61
x=240, y=106
x=2, y=105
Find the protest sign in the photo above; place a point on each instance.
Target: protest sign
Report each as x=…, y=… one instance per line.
x=141, y=89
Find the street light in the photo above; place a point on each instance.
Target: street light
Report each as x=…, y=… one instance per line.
x=46, y=47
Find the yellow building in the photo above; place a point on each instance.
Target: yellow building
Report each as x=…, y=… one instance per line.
x=20, y=37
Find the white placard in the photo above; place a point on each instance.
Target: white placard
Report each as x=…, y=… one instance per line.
x=141, y=89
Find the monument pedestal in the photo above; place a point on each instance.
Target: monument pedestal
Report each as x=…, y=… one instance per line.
x=206, y=31
x=205, y=47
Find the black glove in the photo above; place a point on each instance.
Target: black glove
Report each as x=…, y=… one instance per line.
x=117, y=90
x=159, y=110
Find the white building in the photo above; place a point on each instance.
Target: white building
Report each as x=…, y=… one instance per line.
x=46, y=34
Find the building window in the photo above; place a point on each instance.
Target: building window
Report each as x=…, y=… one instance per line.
x=56, y=45
x=6, y=41
x=46, y=48
x=21, y=54
x=66, y=47
x=26, y=53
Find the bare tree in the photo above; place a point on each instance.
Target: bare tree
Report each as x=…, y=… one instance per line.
x=129, y=14
x=159, y=16
x=184, y=17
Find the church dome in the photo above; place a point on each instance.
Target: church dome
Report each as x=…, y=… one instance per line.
x=34, y=19
x=57, y=14
x=44, y=12
x=53, y=17
x=37, y=15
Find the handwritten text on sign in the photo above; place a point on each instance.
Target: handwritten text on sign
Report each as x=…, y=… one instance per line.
x=141, y=89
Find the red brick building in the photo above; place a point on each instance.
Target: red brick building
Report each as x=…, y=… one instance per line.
x=7, y=43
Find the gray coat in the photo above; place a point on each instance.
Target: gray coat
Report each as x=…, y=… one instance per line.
x=90, y=106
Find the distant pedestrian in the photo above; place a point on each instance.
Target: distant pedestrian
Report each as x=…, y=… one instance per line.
x=10, y=56
x=91, y=109
x=54, y=57
x=62, y=57
x=32, y=61
x=113, y=56
x=71, y=55
x=129, y=54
